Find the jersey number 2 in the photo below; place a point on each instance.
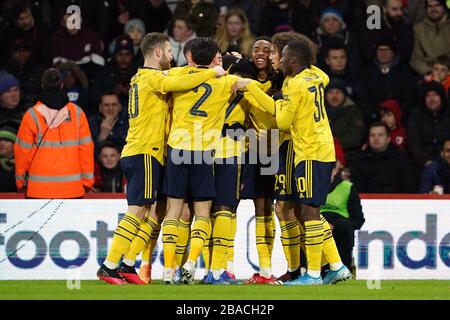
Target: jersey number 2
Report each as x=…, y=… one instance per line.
x=318, y=102
x=195, y=108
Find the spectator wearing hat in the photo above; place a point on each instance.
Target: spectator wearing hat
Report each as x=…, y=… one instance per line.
x=386, y=78
x=135, y=28
x=436, y=177
x=7, y=164
x=346, y=120
x=391, y=115
x=183, y=30
x=382, y=168
x=23, y=25
x=332, y=29
x=76, y=85
x=11, y=109
x=80, y=46
x=23, y=65
x=431, y=36
x=394, y=25
x=429, y=124
x=283, y=16
x=337, y=67
x=117, y=73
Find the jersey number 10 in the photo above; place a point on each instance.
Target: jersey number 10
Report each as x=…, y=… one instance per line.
x=318, y=102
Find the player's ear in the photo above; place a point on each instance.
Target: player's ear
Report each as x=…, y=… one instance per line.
x=158, y=52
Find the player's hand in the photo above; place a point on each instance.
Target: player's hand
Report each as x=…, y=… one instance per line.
x=219, y=71
x=241, y=84
x=236, y=54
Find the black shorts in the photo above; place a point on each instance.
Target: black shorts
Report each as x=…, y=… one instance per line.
x=312, y=180
x=143, y=173
x=193, y=177
x=228, y=182
x=284, y=186
x=254, y=185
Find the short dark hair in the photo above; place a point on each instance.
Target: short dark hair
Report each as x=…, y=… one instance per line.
x=335, y=45
x=51, y=80
x=108, y=144
x=380, y=124
x=443, y=59
x=152, y=41
x=302, y=51
x=108, y=93
x=203, y=50
x=190, y=23
x=263, y=38
x=446, y=139
x=281, y=39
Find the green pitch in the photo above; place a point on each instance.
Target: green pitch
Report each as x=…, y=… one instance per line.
x=48, y=290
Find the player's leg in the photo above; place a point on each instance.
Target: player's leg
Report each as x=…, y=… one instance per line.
x=227, y=182
x=184, y=228
x=140, y=171
x=203, y=191
x=175, y=188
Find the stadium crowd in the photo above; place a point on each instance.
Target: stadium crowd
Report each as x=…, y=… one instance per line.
x=387, y=101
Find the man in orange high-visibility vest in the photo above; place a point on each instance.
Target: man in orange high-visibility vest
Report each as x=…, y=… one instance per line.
x=54, y=151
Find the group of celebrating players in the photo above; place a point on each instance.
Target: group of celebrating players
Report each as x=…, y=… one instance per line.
x=184, y=158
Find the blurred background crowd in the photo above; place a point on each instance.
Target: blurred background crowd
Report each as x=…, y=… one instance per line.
x=387, y=101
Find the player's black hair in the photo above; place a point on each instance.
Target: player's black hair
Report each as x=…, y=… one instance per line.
x=153, y=40
x=302, y=51
x=380, y=124
x=203, y=50
x=51, y=80
x=264, y=38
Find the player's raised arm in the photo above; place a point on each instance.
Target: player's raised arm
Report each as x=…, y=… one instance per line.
x=189, y=81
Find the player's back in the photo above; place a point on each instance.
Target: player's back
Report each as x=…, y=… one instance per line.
x=199, y=114
x=147, y=112
x=310, y=129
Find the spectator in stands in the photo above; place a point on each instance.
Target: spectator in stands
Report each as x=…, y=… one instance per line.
x=284, y=15
x=353, y=11
x=440, y=72
x=54, y=152
x=436, y=177
x=391, y=115
x=203, y=13
x=394, y=25
x=382, y=168
x=333, y=29
x=24, y=26
x=429, y=124
x=183, y=31
x=416, y=11
x=337, y=67
x=76, y=84
x=135, y=28
x=11, y=109
x=386, y=79
x=431, y=37
x=108, y=123
x=251, y=8
x=343, y=212
x=25, y=67
x=81, y=46
x=117, y=73
x=235, y=34
x=346, y=120
x=7, y=164
x=108, y=173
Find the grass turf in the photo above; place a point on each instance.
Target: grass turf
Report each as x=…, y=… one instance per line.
x=96, y=290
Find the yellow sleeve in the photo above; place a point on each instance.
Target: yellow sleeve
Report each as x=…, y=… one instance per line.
x=286, y=108
x=263, y=100
x=184, y=82
x=326, y=78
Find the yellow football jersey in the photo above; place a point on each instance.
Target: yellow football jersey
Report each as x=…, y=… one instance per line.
x=148, y=109
x=199, y=114
x=302, y=113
